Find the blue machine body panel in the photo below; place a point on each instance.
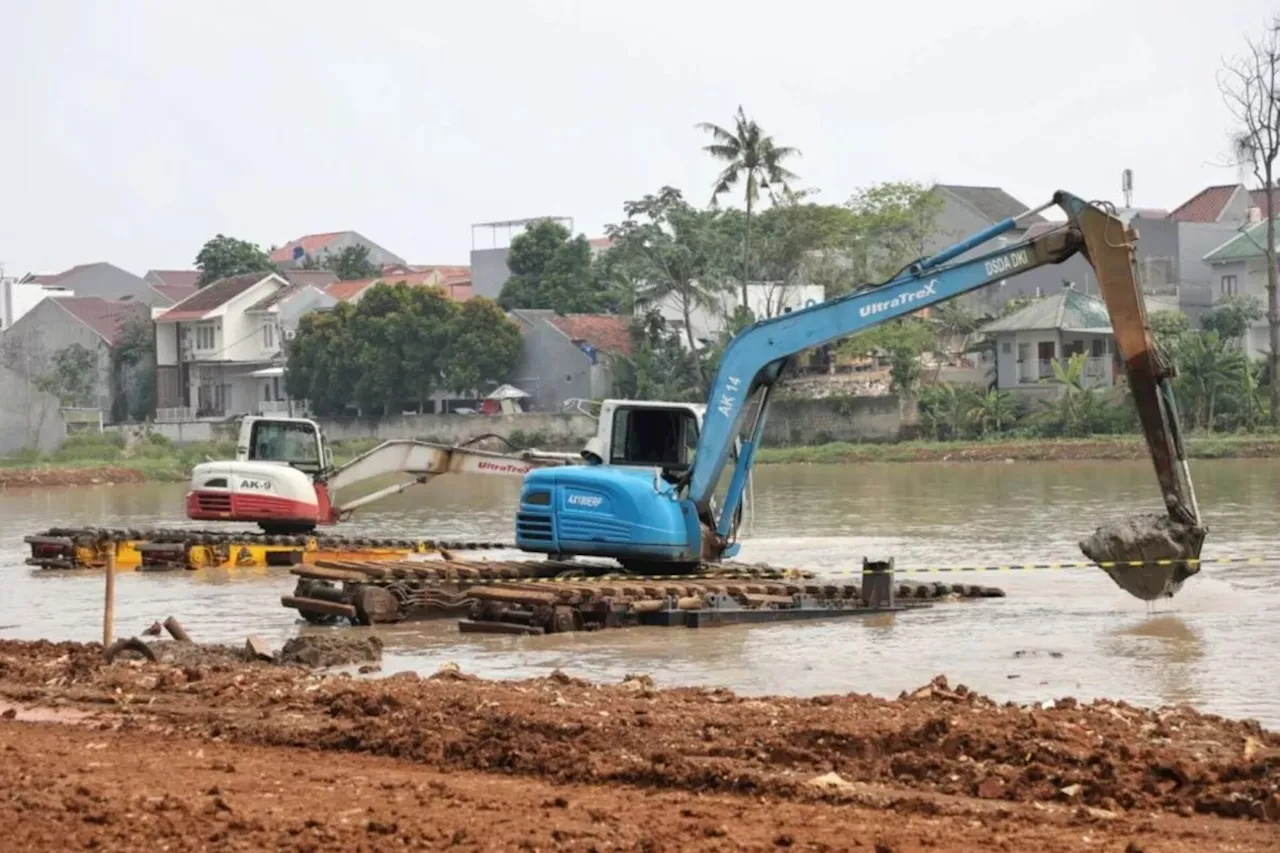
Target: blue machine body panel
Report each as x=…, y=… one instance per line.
x=597, y=511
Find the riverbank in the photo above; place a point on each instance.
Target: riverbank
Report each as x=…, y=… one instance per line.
x=136, y=755
x=1106, y=447
x=175, y=465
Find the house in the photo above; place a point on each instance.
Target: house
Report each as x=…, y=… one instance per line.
x=965, y=210
x=219, y=352
x=709, y=322
x=1240, y=268
x=1054, y=328
x=171, y=286
x=455, y=281
x=17, y=298
x=33, y=342
x=99, y=279
x=567, y=356
x=1228, y=204
x=294, y=253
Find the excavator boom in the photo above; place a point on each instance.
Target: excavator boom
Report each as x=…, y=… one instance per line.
x=753, y=361
x=1145, y=539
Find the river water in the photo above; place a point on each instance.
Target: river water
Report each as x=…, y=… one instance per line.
x=1068, y=632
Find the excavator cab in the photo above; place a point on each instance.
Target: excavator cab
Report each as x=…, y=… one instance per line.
x=296, y=442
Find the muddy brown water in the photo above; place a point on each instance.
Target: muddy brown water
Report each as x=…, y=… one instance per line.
x=1069, y=632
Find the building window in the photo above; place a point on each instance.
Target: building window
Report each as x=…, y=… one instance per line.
x=1228, y=285
x=1006, y=348
x=268, y=335
x=204, y=336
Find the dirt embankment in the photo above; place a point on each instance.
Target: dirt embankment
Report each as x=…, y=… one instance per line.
x=18, y=478
x=259, y=756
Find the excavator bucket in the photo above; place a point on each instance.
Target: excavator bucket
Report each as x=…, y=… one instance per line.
x=1149, y=556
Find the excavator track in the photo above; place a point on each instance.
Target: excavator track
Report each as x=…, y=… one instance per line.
x=550, y=596
x=150, y=549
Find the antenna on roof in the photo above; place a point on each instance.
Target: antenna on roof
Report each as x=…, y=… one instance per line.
x=1126, y=187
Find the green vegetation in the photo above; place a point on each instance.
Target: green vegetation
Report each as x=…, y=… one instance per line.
x=223, y=256
x=350, y=264
x=154, y=458
x=397, y=347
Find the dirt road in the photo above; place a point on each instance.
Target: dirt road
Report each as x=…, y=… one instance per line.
x=229, y=756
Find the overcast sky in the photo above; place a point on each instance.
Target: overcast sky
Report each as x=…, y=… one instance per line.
x=134, y=131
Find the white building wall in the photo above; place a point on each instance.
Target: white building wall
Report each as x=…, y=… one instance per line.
x=17, y=298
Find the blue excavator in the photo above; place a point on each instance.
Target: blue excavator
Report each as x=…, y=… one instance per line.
x=646, y=497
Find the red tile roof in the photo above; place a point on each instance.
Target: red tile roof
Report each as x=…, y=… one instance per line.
x=605, y=332
x=455, y=281
x=212, y=296
x=1206, y=205
x=344, y=291
x=310, y=243
x=600, y=242
x=105, y=317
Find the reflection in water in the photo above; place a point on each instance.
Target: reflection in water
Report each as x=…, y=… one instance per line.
x=1077, y=632
x=1169, y=648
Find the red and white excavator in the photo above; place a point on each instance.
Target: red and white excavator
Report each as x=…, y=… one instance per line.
x=284, y=480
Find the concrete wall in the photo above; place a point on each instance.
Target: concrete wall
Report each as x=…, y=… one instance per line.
x=1201, y=282
x=488, y=271
x=306, y=300
x=791, y=422
x=28, y=418
x=804, y=422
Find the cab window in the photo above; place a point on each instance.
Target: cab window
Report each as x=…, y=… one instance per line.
x=294, y=443
x=661, y=438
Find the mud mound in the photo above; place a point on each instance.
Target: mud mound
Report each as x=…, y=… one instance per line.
x=940, y=741
x=325, y=650
x=1148, y=538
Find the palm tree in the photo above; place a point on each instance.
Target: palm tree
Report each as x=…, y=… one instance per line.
x=750, y=156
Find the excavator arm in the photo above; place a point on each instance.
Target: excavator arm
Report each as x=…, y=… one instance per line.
x=753, y=361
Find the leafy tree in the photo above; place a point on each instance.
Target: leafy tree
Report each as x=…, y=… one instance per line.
x=751, y=156
x=893, y=223
x=133, y=371
x=350, y=264
x=669, y=251
x=1232, y=317
x=802, y=242
x=398, y=344
x=75, y=370
x=550, y=270
x=224, y=256
x=426, y=333
x=1250, y=86
x=484, y=348
x=659, y=367
x=1168, y=327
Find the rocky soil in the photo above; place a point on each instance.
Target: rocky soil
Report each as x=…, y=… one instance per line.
x=225, y=755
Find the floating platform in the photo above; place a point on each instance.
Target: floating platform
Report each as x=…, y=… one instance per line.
x=547, y=596
x=80, y=548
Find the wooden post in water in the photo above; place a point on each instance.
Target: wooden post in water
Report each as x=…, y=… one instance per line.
x=108, y=617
